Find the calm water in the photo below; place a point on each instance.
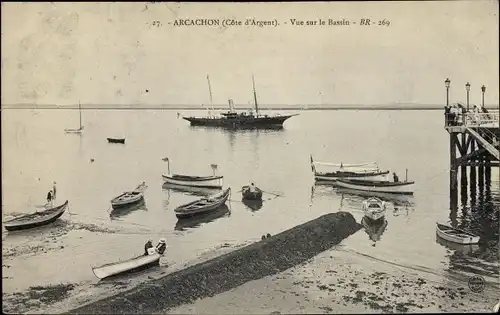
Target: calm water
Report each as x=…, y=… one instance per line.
x=36, y=151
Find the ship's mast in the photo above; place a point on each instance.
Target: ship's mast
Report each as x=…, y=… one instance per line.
x=255, y=97
x=210, y=91
x=80, y=110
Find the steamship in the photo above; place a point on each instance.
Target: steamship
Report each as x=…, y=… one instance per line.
x=233, y=119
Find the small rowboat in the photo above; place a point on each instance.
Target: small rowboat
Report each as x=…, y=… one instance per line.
x=129, y=265
x=374, y=208
x=197, y=221
x=129, y=197
x=36, y=219
x=455, y=235
x=251, y=194
x=404, y=188
x=116, y=140
x=213, y=181
x=203, y=205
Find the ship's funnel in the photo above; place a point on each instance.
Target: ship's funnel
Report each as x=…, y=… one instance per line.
x=231, y=105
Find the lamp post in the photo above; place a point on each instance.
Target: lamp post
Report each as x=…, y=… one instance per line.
x=447, y=84
x=467, y=87
x=483, y=89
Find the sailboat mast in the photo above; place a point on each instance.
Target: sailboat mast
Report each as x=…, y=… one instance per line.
x=255, y=97
x=210, y=91
x=80, y=110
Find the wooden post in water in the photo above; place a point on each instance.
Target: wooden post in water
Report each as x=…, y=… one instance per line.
x=453, y=165
x=463, y=168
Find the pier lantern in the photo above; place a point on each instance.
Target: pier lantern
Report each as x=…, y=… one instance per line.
x=467, y=87
x=447, y=84
x=483, y=89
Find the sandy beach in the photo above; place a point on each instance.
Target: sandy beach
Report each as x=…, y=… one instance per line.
x=342, y=281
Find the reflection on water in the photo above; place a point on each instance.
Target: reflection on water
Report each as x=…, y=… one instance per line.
x=464, y=249
x=198, y=220
x=194, y=191
x=479, y=214
x=123, y=211
x=395, y=199
x=239, y=129
x=374, y=228
x=253, y=205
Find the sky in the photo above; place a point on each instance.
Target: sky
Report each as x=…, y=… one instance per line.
x=111, y=53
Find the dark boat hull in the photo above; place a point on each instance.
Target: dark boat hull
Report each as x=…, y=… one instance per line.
x=182, y=213
x=251, y=195
x=112, y=140
x=196, y=221
x=240, y=122
x=34, y=224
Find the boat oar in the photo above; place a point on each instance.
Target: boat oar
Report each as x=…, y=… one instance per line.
x=277, y=195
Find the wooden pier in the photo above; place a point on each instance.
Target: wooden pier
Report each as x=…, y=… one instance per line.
x=474, y=144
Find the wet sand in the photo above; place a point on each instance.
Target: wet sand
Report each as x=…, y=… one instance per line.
x=271, y=255
x=342, y=281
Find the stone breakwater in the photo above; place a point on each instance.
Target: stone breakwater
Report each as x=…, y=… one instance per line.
x=267, y=257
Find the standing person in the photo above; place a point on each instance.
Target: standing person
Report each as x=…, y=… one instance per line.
x=54, y=190
x=49, y=198
x=453, y=115
x=395, y=177
x=446, y=114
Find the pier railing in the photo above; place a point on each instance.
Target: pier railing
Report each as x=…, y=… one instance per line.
x=490, y=119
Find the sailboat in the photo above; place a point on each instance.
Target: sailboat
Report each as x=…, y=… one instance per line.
x=232, y=119
x=80, y=129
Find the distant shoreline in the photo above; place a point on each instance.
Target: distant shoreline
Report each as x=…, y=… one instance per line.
x=186, y=108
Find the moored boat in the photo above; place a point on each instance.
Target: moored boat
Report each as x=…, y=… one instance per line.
x=374, y=208
x=125, y=210
x=455, y=235
x=213, y=181
x=202, y=205
x=79, y=130
x=204, y=218
x=232, y=119
x=116, y=140
x=36, y=219
x=133, y=264
x=361, y=171
x=251, y=192
x=377, y=186
x=130, y=197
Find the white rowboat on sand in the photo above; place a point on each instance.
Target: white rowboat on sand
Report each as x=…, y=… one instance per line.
x=132, y=264
x=455, y=235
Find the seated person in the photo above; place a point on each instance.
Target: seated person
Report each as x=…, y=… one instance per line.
x=147, y=246
x=162, y=246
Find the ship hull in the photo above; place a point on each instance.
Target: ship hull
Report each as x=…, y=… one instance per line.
x=254, y=122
